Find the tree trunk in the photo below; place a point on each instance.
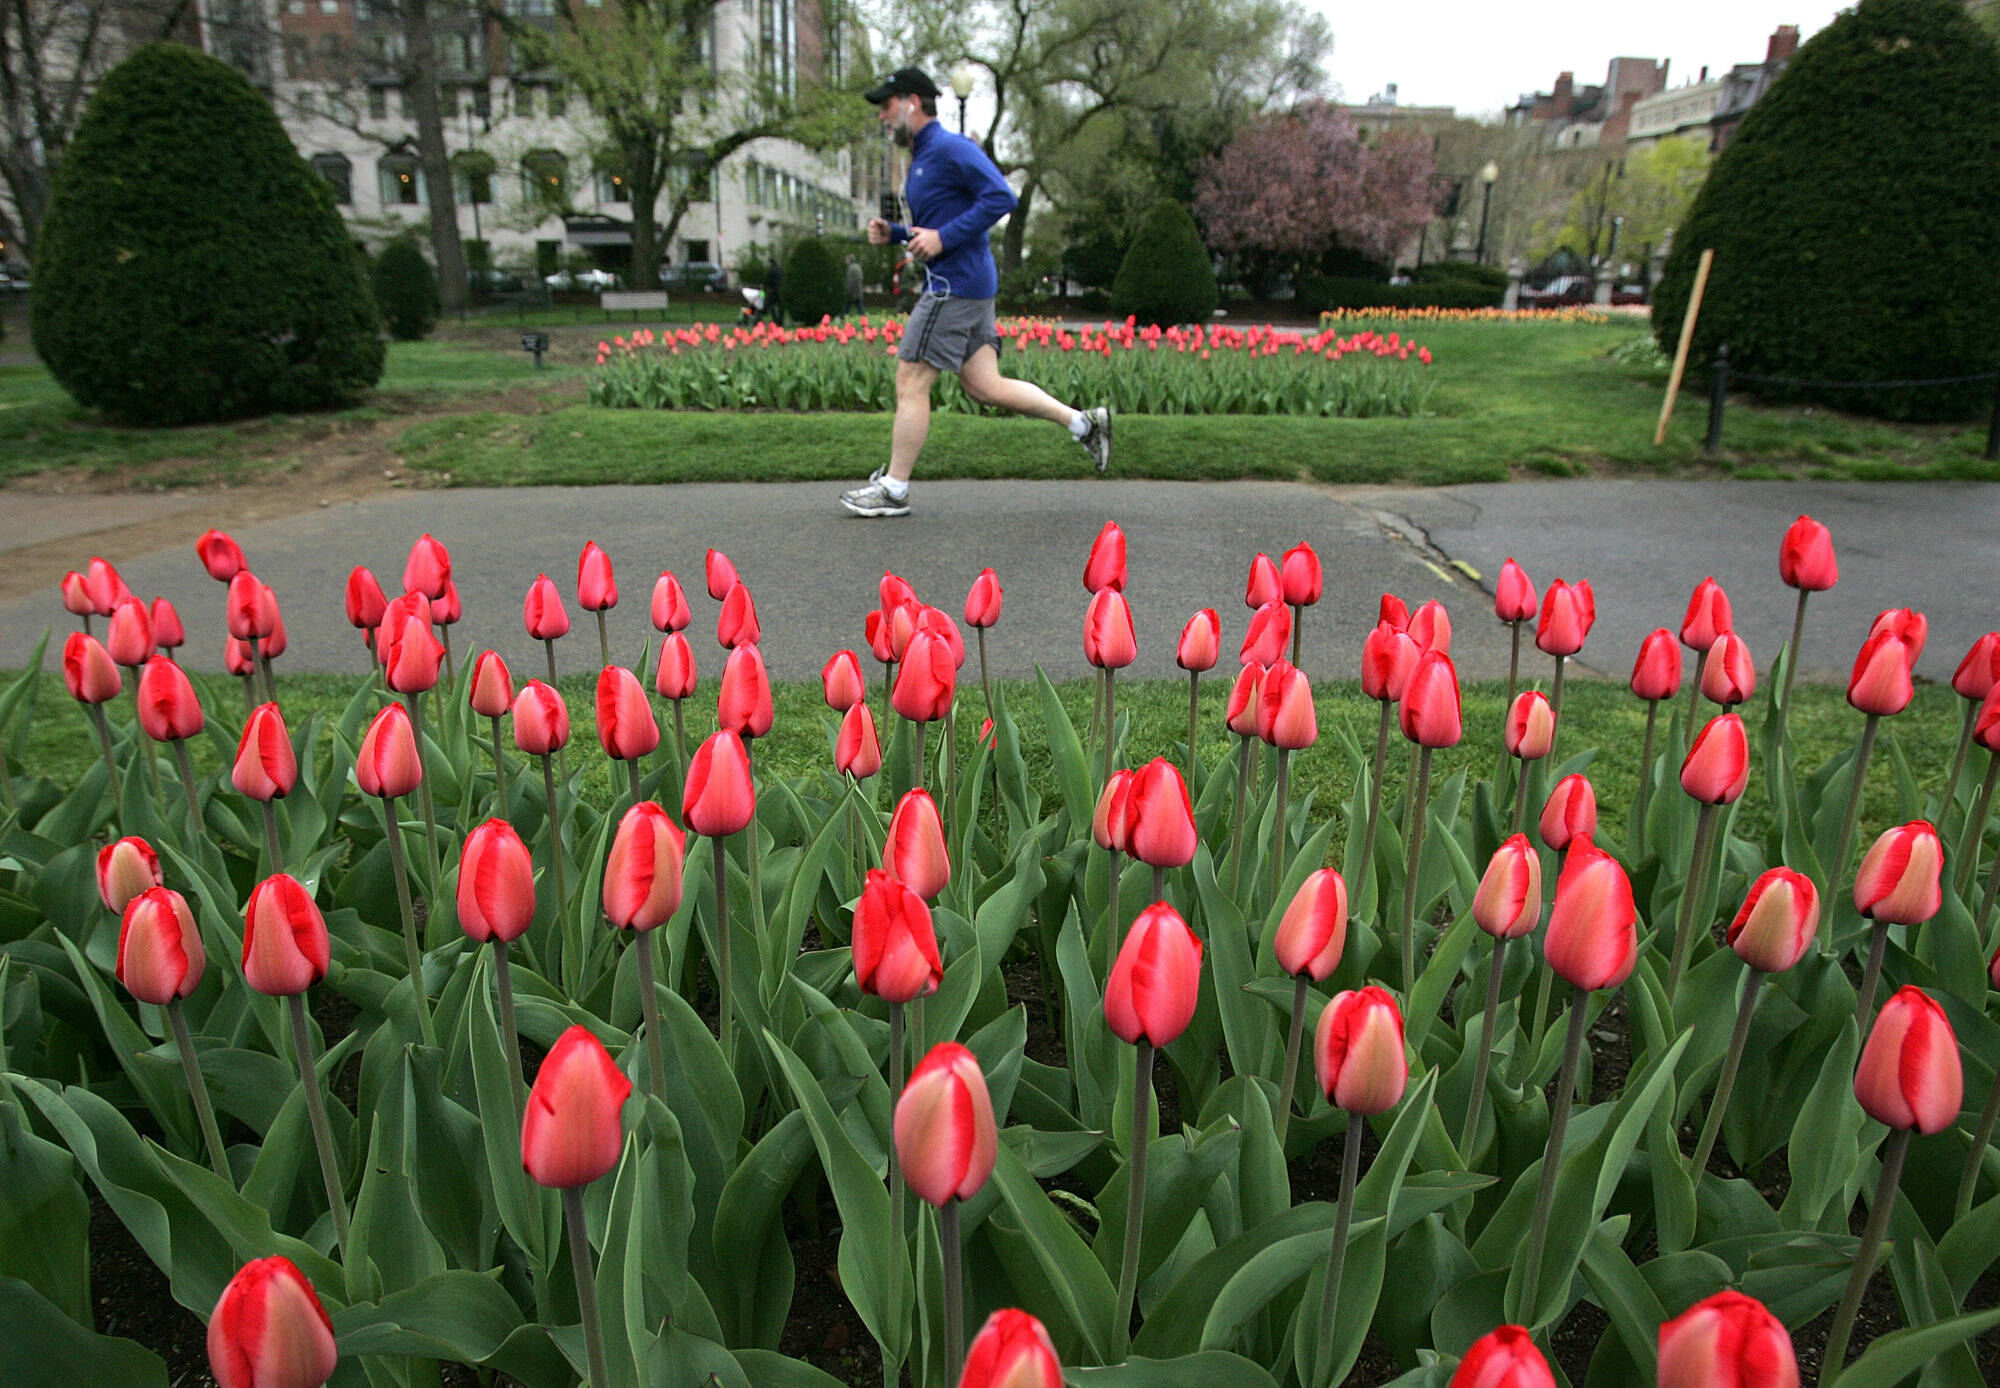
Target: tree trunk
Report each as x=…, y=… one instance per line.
x=420, y=95
x=643, y=172
x=1017, y=228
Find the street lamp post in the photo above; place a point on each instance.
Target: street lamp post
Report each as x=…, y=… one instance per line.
x=1487, y=177
x=962, y=77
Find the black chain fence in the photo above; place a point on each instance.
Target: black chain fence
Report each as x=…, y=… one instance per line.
x=1721, y=375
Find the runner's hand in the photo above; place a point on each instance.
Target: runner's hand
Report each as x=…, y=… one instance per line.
x=927, y=244
x=878, y=232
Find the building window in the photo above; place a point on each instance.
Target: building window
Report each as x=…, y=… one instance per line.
x=612, y=187
x=558, y=102
x=402, y=185
x=545, y=177
x=447, y=100
x=295, y=6
x=335, y=169
x=696, y=250
x=378, y=103
x=329, y=6
x=524, y=99
x=329, y=48
x=472, y=176
x=482, y=100
x=297, y=55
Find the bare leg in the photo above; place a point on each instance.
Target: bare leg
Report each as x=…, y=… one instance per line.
x=983, y=382
x=913, y=416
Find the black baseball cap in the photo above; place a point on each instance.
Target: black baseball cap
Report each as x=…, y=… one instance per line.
x=904, y=81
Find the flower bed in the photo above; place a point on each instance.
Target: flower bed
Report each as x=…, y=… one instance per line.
x=1572, y=314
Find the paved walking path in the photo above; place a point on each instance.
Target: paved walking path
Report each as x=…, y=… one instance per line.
x=813, y=569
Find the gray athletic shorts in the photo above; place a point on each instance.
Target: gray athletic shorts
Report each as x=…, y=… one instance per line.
x=945, y=332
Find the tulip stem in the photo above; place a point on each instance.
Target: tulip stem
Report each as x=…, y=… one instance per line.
x=632, y=778
x=1236, y=819
x=555, y=835
x=1281, y=840
x=985, y=684
x=1513, y=662
x=211, y=1132
x=1110, y=718
x=1836, y=866
x=7, y=800
x=499, y=769
x=322, y=1131
x=249, y=694
x=1982, y=1138
x=954, y=1286
x=1194, y=707
x=1111, y=921
x=1336, y=1258
x=1135, y=1201
x=725, y=1009
x=148, y=759
x=1871, y=975
x=97, y=721
x=586, y=1286
x=1692, y=890
x=549, y=648
x=1893, y=1152
x=1419, y=804
x=444, y=636
x=649, y=1007
x=1545, y=1193
x=1958, y=761
x=1298, y=631
x=891, y=1375
x=1481, y=1066
x=888, y=689
x=1792, y=663
x=413, y=954
x=424, y=795
x=1556, y=706
x=1520, y=796
x=1986, y=904
x=1975, y=827
x=1159, y=883
x=1694, y=696
x=1293, y=1037
x=510, y=1039
x=271, y=843
x=1718, y=1102
x=603, y=640
x=1638, y=836
x=186, y=765
x=1096, y=717
x=919, y=768
x=1367, y=864
x=680, y=752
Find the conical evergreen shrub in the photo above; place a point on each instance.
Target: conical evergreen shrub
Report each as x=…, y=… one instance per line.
x=1166, y=277
x=406, y=290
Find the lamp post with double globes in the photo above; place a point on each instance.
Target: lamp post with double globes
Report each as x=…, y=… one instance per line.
x=961, y=78
x=1487, y=176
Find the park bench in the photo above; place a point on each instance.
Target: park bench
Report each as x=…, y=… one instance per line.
x=634, y=300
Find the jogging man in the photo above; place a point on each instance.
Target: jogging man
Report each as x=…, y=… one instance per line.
x=955, y=196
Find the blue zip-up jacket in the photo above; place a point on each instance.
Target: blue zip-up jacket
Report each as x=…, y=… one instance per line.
x=955, y=190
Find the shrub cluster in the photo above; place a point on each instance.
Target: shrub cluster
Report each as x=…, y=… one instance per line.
x=1321, y=293
x=815, y=282
x=1166, y=277
x=406, y=290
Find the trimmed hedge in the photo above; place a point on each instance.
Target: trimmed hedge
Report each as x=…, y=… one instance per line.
x=1166, y=277
x=1853, y=219
x=192, y=266
x=1318, y=293
x=406, y=290
x=815, y=284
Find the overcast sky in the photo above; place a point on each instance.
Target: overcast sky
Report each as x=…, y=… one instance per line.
x=1480, y=57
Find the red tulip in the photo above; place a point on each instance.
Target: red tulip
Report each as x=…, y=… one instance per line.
x=1986, y=722
x=939, y=624
x=167, y=629
x=448, y=609
x=249, y=616
x=1503, y=1358
x=842, y=681
x=1708, y=615
x=1993, y=969
x=1264, y=584
x=105, y=587
x=1201, y=641
x=642, y=875
x=1568, y=610
x=492, y=692
x=743, y=700
x=670, y=604
x=719, y=798
x=1430, y=627
x=1159, y=819
x=1508, y=903
x=160, y=956
x=1898, y=880
x=428, y=569
x=1591, y=941
x=895, y=944
x=1778, y=920
x=1430, y=708
x=76, y=594
x=1805, y=558
x=914, y=851
x=1976, y=674
x=168, y=707
x=720, y=573
x=1286, y=717
x=1514, y=594
x=982, y=603
x=1358, y=1052
x=901, y=622
x=1245, y=697
x=1531, y=726
x=625, y=723
x=236, y=657
x=1106, y=566
x=414, y=656
x=266, y=768
x=541, y=719
x=1726, y=1341
x=365, y=600
x=893, y=592
x=1012, y=1350
x=1387, y=658
x=737, y=624
x=274, y=644
x=1111, y=823
x=1730, y=676
x=1570, y=812
x=674, y=676
x=88, y=671
x=1108, y=642
x=1909, y=626
x=1305, y=580
x=285, y=949
x=219, y=554
x=1394, y=611
x=125, y=868
x=1717, y=767
x=129, y=640
x=388, y=763
x=496, y=884
x=1880, y=682
x=1910, y=1075
x=395, y=616
x=1313, y=932
x=596, y=585
x=1269, y=634
x=946, y=1138
x=1156, y=979
x=543, y=612
x=926, y=680
x=573, y=1130
x=269, y=1330
x=857, y=752
x=1656, y=674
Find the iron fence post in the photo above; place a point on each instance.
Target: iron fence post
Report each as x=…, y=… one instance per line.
x=1718, y=393
x=1993, y=424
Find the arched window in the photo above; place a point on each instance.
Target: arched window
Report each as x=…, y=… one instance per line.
x=402, y=183
x=545, y=176
x=335, y=169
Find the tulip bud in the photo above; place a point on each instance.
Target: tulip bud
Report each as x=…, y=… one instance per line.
x=982, y=603
x=926, y=680
x=946, y=1138
x=674, y=676
x=1245, y=697
x=274, y=644
x=841, y=681
x=248, y=616
x=1012, y=1350
x=236, y=657
x=1907, y=625
x=893, y=591
x=1358, y=1052
x=76, y=594
x=395, y=617
x=1570, y=812
x=737, y=624
x=1108, y=642
x=1430, y=628
x=719, y=798
x=1503, y=1358
x=1508, y=903
x=160, y=955
x=88, y=671
x=596, y=585
x=1286, y=716
x=1993, y=969
x=1717, y=767
x=914, y=851
x=1898, y=880
x=1910, y=1075
x=902, y=622
x=167, y=630
x=414, y=656
x=1568, y=610
x=573, y=1131
x=541, y=719
x=1155, y=980
x=642, y=876
x=285, y=949
x=1269, y=634
x=130, y=638
x=1656, y=674
x=1976, y=674
x=1159, y=819
x=895, y=944
x=428, y=569
x=105, y=587
x=1778, y=920
x=1305, y=580
x=1591, y=941
x=1531, y=726
x=1106, y=565
x=875, y=628
x=625, y=723
x=1708, y=615
x=857, y=752
x=1986, y=721
x=1514, y=594
x=496, y=884
x=1394, y=611
x=219, y=554
x=1430, y=708
x=1727, y=1341
x=1201, y=641
x=1880, y=682
x=1805, y=557
x=169, y=709
x=365, y=600
x=720, y=574
x=125, y=868
x=1387, y=658
x=388, y=763
x=1111, y=823
x=1264, y=585
x=1313, y=933
x=269, y=1330
x=492, y=691
x=266, y=768
x=448, y=609
x=542, y=611
x=1730, y=676
x=670, y=604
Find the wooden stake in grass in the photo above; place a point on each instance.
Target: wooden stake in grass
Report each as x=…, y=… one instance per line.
x=1701, y=270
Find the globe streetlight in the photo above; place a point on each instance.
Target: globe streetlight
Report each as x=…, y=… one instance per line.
x=962, y=77
x=1487, y=177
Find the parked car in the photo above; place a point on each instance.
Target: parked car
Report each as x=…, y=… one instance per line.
x=695, y=277
x=581, y=279
x=1563, y=289
x=496, y=281
x=14, y=279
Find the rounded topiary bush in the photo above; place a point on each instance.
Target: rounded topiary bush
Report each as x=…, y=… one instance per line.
x=1166, y=277
x=192, y=266
x=406, y=290
x=815, y=285
x=1853, y=219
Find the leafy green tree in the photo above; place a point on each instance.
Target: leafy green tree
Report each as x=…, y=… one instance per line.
x=1166, y=277
x=1649, y=190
